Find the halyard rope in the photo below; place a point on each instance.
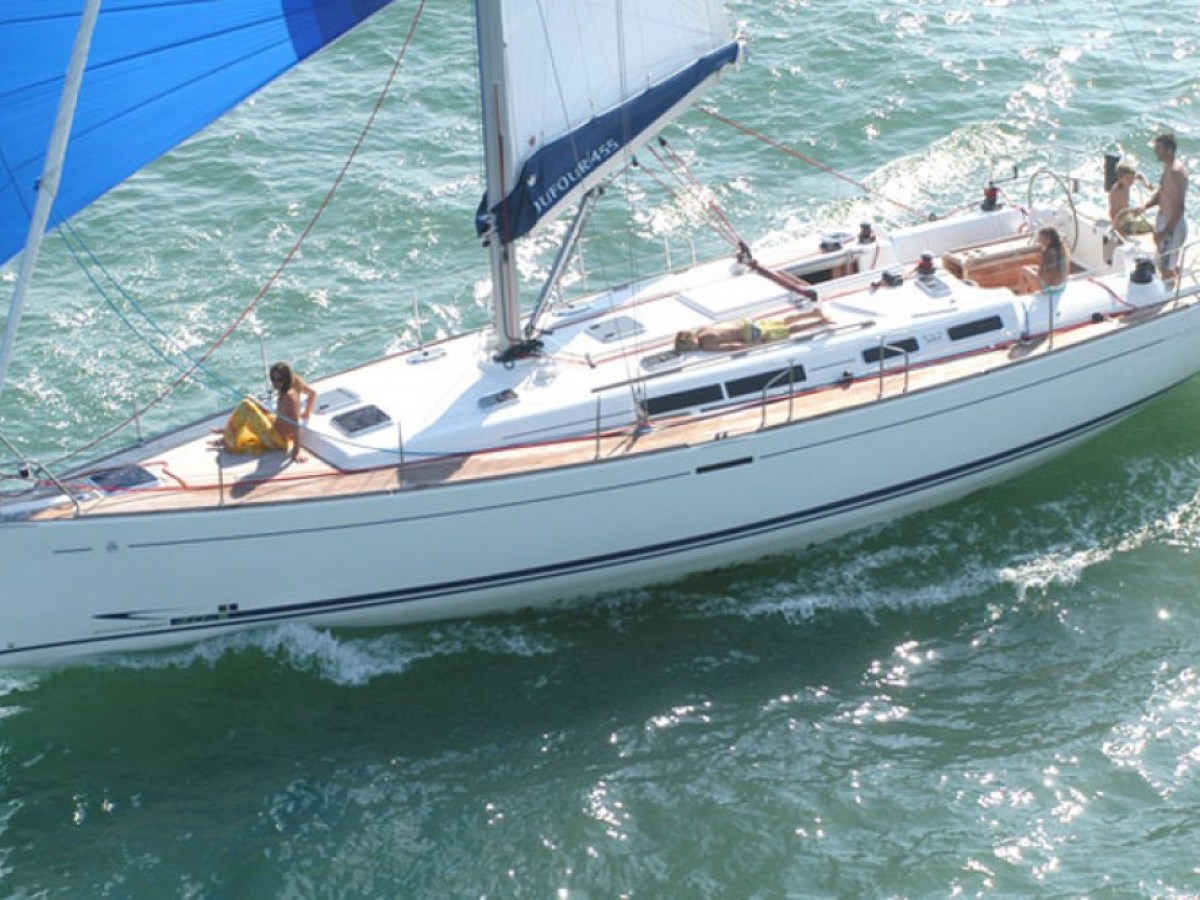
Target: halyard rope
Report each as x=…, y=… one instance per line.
x=791, y=151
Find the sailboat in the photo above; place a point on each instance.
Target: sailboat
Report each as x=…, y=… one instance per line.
x=692, y=419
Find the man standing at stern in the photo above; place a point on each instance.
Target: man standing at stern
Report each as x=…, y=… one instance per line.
x=1170, y=227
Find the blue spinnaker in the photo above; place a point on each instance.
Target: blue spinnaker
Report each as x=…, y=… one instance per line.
x=159, y=71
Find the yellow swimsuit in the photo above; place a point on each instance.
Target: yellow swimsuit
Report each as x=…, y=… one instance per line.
x=764, y=331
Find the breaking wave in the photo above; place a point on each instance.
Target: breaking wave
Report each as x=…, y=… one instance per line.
x=343, y=658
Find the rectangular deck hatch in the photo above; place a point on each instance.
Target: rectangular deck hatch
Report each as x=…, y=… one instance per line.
x=615, y=329
x=338, y=398
x=123, y=478
x=361, y=420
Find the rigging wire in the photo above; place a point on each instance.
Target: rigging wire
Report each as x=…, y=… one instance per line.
x=1147, y=77
x=291, y=254
x=636, y=388
x=1045, y=25
x=1158, y=100
x=790, y=151
x=718, y=220
x=76, y=246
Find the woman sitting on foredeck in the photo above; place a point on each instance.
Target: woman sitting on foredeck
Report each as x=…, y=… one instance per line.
x=251, y=429
x=746, y=333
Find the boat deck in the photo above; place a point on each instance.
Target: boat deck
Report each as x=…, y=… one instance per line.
x=189, y=470
x=195, y=474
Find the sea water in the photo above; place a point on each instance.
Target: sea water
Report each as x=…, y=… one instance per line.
x=996, y=698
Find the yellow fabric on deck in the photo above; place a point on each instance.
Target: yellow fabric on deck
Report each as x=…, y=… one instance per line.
x=251, y=429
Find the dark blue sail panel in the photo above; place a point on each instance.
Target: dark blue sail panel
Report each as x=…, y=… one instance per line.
x=551, y=174
x=158, y=72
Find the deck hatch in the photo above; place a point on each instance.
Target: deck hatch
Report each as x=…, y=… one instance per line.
x=338, y=398
x=616, y=329
x=363, y=419
x=500, y=398
x=662, y=360
x=123, y=478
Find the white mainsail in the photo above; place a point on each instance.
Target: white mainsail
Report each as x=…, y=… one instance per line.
x=570, y=91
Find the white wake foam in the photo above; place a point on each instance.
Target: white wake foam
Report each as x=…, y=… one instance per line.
x=343, y=658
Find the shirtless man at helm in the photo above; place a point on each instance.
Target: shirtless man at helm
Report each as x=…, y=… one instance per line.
x=1170, y=227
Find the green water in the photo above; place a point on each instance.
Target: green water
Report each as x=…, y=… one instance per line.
x=999, y=698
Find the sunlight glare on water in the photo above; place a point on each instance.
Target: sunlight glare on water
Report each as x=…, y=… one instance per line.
x=998, y=698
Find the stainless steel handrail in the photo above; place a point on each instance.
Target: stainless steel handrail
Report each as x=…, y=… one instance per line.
x=883, y=357
x=598, y=420
x=400, y=454
x=790, y=372
x=1192, y=270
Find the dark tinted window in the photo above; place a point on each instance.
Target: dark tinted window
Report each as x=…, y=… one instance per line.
x=893, y=348
x=684, y=399
x=970, y=329
x=753, y=384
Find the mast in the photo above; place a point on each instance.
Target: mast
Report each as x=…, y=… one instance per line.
x=51, y=174
x=569, y=91
x=499, y=172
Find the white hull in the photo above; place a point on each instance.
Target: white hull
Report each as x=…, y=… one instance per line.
x=125, y=582
x=840, y=382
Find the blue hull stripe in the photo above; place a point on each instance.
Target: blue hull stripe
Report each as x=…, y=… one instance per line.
x=611, y=560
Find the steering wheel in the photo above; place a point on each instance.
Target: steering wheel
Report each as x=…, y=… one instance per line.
x=1066, y=222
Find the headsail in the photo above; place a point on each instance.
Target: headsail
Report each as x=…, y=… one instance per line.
x=159, y=71
x=587, y=82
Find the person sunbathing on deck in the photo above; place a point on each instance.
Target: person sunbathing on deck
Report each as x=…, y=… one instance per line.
x=251, y=429
x=746, y=333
